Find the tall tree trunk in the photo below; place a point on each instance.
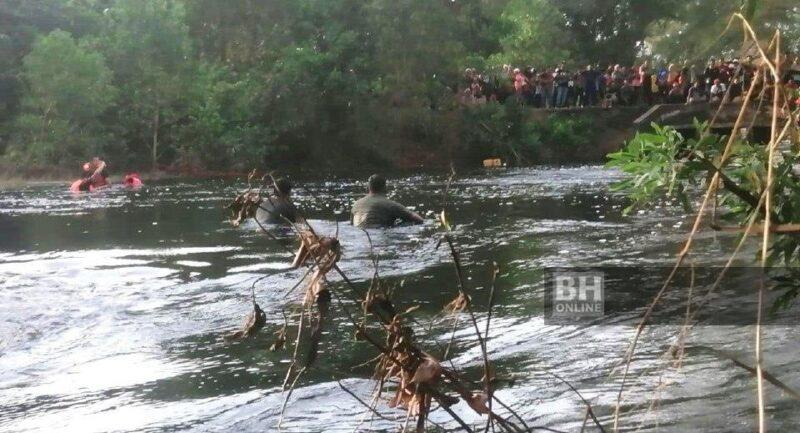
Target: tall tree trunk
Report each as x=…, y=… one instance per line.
x=154, y=148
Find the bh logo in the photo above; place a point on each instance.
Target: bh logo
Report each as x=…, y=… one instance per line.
x=577, y=294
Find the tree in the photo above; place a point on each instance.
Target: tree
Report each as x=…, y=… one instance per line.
x=607, y=31
x=223, y=128
x=149, y=50
x=240, y=33
x=532, y=34
x=226, y=83
x=696, y=31
x=792, y=34
x=21, y=23
x=69, y=87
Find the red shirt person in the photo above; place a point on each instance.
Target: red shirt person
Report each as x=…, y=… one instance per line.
x=96, y=172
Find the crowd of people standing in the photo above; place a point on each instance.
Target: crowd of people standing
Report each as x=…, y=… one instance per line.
x=642, y=84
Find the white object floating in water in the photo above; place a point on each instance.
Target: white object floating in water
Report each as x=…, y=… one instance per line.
x=155, y=223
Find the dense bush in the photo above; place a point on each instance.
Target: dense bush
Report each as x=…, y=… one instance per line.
x=508, y=131
x=665, y=164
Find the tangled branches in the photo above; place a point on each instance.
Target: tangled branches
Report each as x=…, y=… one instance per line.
x=408, y=377
x=244, y=206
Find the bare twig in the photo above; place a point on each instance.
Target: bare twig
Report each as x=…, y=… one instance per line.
x=487, y=379
x=586, y=402
x=687, y=246
x=765, y=241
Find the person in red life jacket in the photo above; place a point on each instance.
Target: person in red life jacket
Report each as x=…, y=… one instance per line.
x=132, y=181
x=95, y=174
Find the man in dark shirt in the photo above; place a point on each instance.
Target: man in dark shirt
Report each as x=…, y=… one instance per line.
x=562, y=87
x=590, y=86
x=376, y=211
x=696, y=93
x=278, y=208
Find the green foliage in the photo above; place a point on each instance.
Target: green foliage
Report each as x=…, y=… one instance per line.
x=67, y=79
x=227, y=84
x=565, y=132
x=664, y=163
x=534, y=33
x=694, y=31
x=650, y=159
x=792, y=29
x=497, y=130
x=69, y=87
x=506, y=131
x=607, y=31
x=148, y=46
x=219, y=131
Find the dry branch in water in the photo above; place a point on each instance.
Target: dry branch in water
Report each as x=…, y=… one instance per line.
x=244, y=206
x=407, y=376
x=457, y=305
x=280, y=336
x=252, y=324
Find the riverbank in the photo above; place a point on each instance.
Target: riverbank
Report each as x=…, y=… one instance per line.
x=14, y=177
x=517, y=135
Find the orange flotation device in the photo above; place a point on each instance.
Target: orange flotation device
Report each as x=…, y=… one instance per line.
x=81, y=185
x=131, y=181
x=87, y=185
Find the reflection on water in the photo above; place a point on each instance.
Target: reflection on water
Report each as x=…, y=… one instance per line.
x=112, y=307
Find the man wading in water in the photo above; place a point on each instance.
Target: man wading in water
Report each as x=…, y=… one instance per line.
x=278, y=207
x=376, y=211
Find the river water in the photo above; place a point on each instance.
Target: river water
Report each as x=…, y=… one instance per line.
x=113, y=307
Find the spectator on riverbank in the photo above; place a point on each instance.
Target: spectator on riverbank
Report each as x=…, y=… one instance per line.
x=562, y=87
x=591, y=82
x=794, y=93
x=672, y=74
x=639, y=83
x=675, y=95
x=717, y=91
x=546, y=79
x=696, y=93
x=615, y=85
x=520, y=81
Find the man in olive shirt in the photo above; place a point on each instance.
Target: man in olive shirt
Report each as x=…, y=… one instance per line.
x=278, y=207
x=376, y=211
